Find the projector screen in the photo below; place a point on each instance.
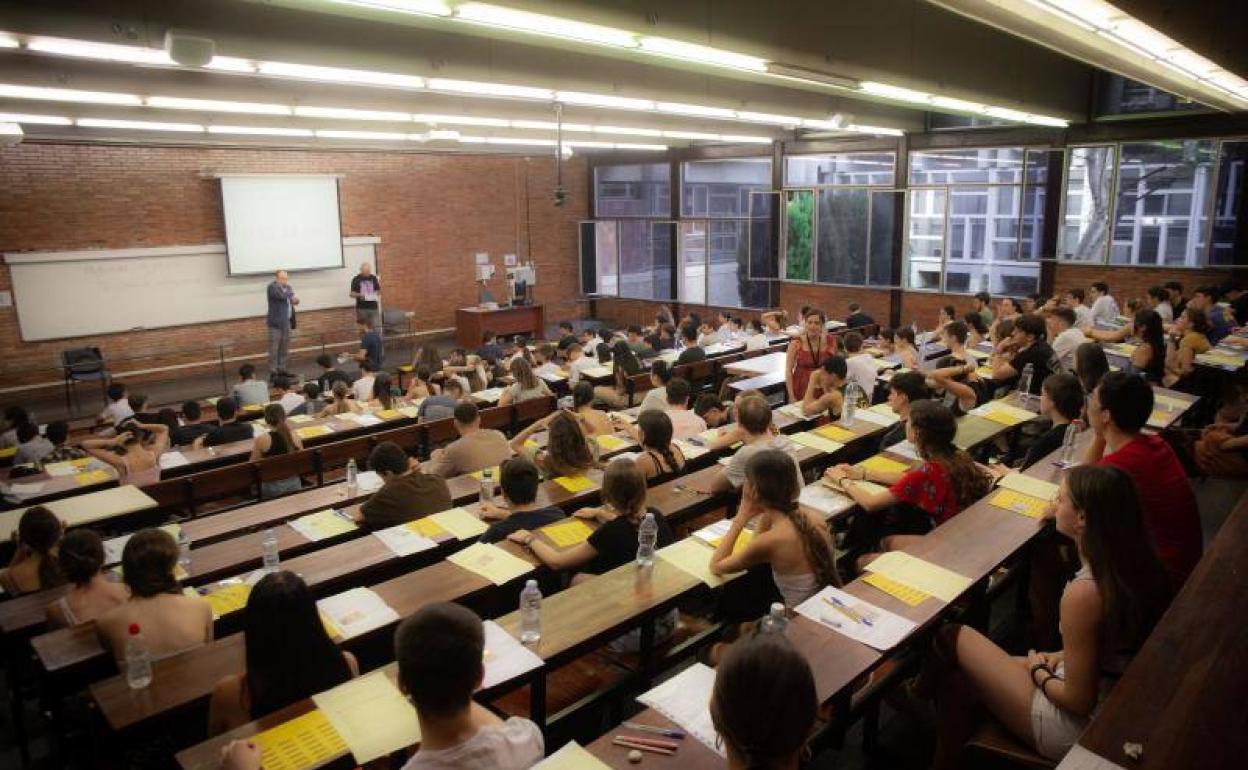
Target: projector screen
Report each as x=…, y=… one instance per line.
x=281, y=223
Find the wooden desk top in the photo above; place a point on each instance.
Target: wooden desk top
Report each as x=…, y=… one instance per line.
x=508, y=309
x=59, y=486
x=751, y=367
x=692, y=754
x=86, y=509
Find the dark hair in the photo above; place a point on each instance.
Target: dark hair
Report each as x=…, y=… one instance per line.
x=912, y=385
x=1133, y=585
x=754, y=414
x=80, y=556
x=624, y=488
x=934, y=430
x=191, y=410
x=656, y=434
x=311, y=390
x=853, y=342
x=40, y=531
x=1064, y=313
x=1127, y=398
x=956, y=330
x=115, y=391
x=1091, y=365
x=567, y=452
x=764, y=702
x=519, y=479
x=147, y=563
x=905, y=333
x=888, y=335
x=678, y=391
x=1005, y=327
x=440, y=650
x=1077, y=293
x=777, y=484
x=27, y=431
x=661, y=370
x=1066, y=394
x=325, y=361
x=289, y=654
x=626, y=363
x=1031, y=325
x=137, y=402
x=705, y=403
x=57, y=432
x=227, y=407
x=1173, y=285
x=983, y=297
x=835, y=364
x=1101, y=286
x=1148, y=327
x=388, y=457
x=275, y=418
x=950, y=311
x=1209, y=291
x=854, y=307
x=1198, y=320
x=975, y=321
x=546, y=351
x=246, y=371
x=1159, y=293
x=466, y=412
x=689, y=332
x=168, y=418
x=582, y=394
x=565, y=325
x=653, y=340
x=367, y=366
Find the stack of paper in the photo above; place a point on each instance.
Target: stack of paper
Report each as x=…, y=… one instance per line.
x=882, y=464
x=824, y=499
x=575, y=484
x=714, y=534
x=312, y=431
x=491, y=562
x=571, y=757
x=856, y=618
x=371, y=715
x=610, y=443
x=172, y=459
x=1019, y=503
x=489, y=394
x=694, y=558
x=67, y=467
x=920, y=575
x=885, y=411
x=505, y=657
x=1027, y=485
x=97, y=476
x=323, y=524
x=459, y=522
x=1003, y=413
x=412, y=411
x=567, y=533
x=816, y=442
x=403, y=540
x=686, y=700
x=905, y=449
x=300, y=419
x=368, y=482
x=226, y=598
x=690, y=451
x=303, y=742
x=836, y=433
x=794, y=411
x=891, y=587
x=355, y=612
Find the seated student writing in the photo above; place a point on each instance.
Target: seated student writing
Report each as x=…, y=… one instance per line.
x=614, y=542
x=476, y=447
x=1107, y=611
x=755, y=336
x=362, y=388
x=81, y=560
x=34, y=565
x=976, y=328
x=566, y=337
x=169, y=620
x=1091, y=365
x=692, y=351
x=342, y=402
x=546, y=363
x=904, y=390
x=568, y=450
x=578, y=362
x=331, y=374
x=287, y=651
x=31, y=447
x=527, y=385
x=118, y=409
x=711, y=410
x=228, y=431
x=595, y=421
x=193, y=425
x=756, y=435
x=313, y=403
x=407, y=493
x=659, y=456
x=825, y=391
x=904, y=348
x=685, y=424
x=134, y=453
x=290, y=397
x=946, y=481
x=58, y=434
x=519, y=482
x=626, y=365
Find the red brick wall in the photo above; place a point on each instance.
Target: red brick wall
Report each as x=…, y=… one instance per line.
x=834, y=300
x=432, y=212
x=1133, y=282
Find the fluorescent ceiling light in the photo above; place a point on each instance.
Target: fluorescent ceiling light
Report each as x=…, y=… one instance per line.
x=69, y=95
x=827, y=125
x=8, y=41
x=745, y=139
x=627, y=131
x=691, y=135
x=894, y=92
x=43, y=120
x=634, y=146
x=140, y=125
x=926, y=99
x=770, y=118
x=442, y=134
x=340, y=113
x=700, y=53
x=217, y=105
x=1005, y=113
x=417, y=7
x=462, y=120
x=548, y=125
x=386, y=136
x=231, y=64
x=616, y=146
x=697, y=110
x=488, y=89
x=10, y=129
x=948, y=102
x=550, y=26
x=603, y=100
x=340, y=75
x=1043, y=120
x=519, y=140
x=878, y=130
x=260, y=130
x=104, y=51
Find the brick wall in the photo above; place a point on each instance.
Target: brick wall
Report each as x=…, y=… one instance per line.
x=834, y=300
x=432, y=212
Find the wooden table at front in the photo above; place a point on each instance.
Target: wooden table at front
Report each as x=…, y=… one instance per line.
x=752, y=367
x=86, y=509
x=470, y=322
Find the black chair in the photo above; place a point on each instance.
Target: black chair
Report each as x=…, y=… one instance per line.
x=84, y=365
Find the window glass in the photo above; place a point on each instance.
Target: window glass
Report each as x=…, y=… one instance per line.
x=844, y=219
x=1162, y=203
x=993, y=165
x=764, y=256
x=886, y=218
x=850, y=168
x=643, y=190
x=721, y=188
x=799, y=218
x=1228, y=210
x=599, y=251
x=1085, y=219
x=645, y=259
x=720, y=193
x=925, y=238
x=691, y=275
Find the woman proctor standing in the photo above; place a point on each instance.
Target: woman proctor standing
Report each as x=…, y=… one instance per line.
x=806, y=353
x=279, y=440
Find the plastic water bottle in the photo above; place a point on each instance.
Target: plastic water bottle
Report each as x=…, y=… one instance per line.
x=487, y=485
x=184, y=549
x=530, y=613
x=138, y=661
x=1024, y=383
x=1068, y=445
x=850, y=403
x=775, y=621
x=272, y=558
x=353, y=474
x=647, y=538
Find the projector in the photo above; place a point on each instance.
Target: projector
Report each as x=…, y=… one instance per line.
x=188, y=50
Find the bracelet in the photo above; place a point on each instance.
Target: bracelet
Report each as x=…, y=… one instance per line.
x=1048, y=679
x=1038, y=667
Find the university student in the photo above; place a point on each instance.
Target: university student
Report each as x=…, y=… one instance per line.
x=34, y=566
x=342, y=402
x=229, y=430
x=756, y=435
x=1104, y=309
x=279, y=439
x=169, y=620
x=519, y=480
x=406, y=494
x=1221, y=321
x=1028, y=347
x=58, y=433
x=656, y=398
x=795, y=543
x=1090, y=366
x=1061, y=400
x=118, y=409
x=288, y=397
x=825, y=389
x=659, y=456
x=1159, y=301
x=860, y=365
x=1073, y=299
x=904, y=348
x=363, y=387
x=856, y=318
x=595, y=421
x=685, y=424
x=1060, y=326
x=904, y=390
x=981, y=305
x=1107, y=612
x=193, y=425
x=31, y=447
x=578, y=362
x=383, y=392
x=976, y=329
x=711, y=410
x=692, y=352
x=568, y=450
x=422, y=385
x=80, y=558
x=1192, y=330
x=442, y=405
x=626, y=366
x=312, y=404
x=614, y=542
x=956, y=383
x=249, y=391
x=806, y=354
x=366, y=291
x=1149, y=357
x=566, y=337
x=331, y=374
x=527, y=385
x=134, y=453
x=476, y=447
x=755, y=336
x=1008, y=309
x=288, y=654
x=1118, y=411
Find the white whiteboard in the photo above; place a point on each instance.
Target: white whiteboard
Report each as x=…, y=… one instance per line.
x=281, y=222
x=80, y=293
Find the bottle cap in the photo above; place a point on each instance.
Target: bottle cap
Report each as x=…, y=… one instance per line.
x=530, y=583
x=134, y=629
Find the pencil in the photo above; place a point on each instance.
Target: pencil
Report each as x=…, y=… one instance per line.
x=664, y=731
x=659, y=742
x=618, y=741
x=847, y=611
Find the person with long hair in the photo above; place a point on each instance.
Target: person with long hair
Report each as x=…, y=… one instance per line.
x=1091, y=366
x=134, y=452
x=34, y=565
x=806, y=353
x=1191, y=329
x=796, y=543
x=659, y=456
x=428, y=357
x=764, y=703
x=952, y=382
x=904, y=348
x=595, y=421
x=1107, y=611
x=342, y=402
x=383, y=393
x=1008, y=309
x=80, y=557
x=568, y=450
x=278, y=440
x=942, y=484
x=976, y=329
x=422, y=385
x=625, y=366
x=1149, y=357
x=527, y=385
x=288, y=653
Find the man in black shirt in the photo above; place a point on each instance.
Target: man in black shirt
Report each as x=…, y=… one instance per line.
x=1061, y=400
x=519, y=482
x=903, y=390
x=1030, y=348
x=566, y=337
x=329, y=373
x=192, y=427
x=490, y=350
x=692, y=353
x=229, y=430
x=366, y=290
x=370, y=345
x=857, y=318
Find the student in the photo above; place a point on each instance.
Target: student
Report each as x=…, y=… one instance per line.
x=288, y=653
x=58, y=433
x=825, y=391
x=406, y=495
x=1117, y=412
x=1061, y=401
x=169, y=620
x=578, y=362
x=1091, y=366
x=947, y=314
x=568, y=450
x=544, y=359
x=289, y=398
x=1177, y=300
x=981, y=305
x=667, y=337
x=1192, y=330
x=1159, y=301
x=1060, y=324
x=859, y=365
x=138, y=404
x=527, y=385
x=249, y=391
x=587, y=338
x=118, y=409
x=952, y=377
x=595, y=421
x=659, y=455
x=342, y=402
x=794, y=542
x=904, y=348
x=652, y=344
x=656, y=398
x=626, y=366
x=476, y=448
x=330, y=374
x=363, y=387
x=1149, y=357
x=887, y=341
x=1107, y=612
x=806, y=354
x=1008, y=309
x=1104, y=308
x=1221, y=322
x=635, y=343
x=442, y=405
x=1029, y=347
x=312, y=401
x=566, y=337
x=708, y=335
x=904, y=390
x=34, y=566
x=422, y=386
x=80, y=558
x=602, y=350
x=685, y=424
x=711, y=410
x=230, y=430
x=774, y=322
x=941, y=485
x=755, y=336
x=193, y=425
x=279, y=439
x=725, y=331
x=856, y=318
x=755, y=434
x=31, y=447
x=1073, y=299
x=764, y=703
x=736, y=331
x=976, y=329
x=490, y=350
x=134, y=453
x=519, y=481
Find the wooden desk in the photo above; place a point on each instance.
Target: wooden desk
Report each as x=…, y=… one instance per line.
x=752, y=367
x=86, y=509
x=57, y=487
x=472, y=322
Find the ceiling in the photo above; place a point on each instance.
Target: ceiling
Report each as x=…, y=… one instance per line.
x=914, y=44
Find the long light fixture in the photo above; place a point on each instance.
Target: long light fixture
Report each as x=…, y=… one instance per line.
x=69, y=95
x=702, y=54
x=139, y=125
x=912, y=96
x=130, y=54
x=388, y=136
x=419, y=7
x=8, y=41
x=539, y=24
x=10, y=129
x=478, y=88
x=340, y=75
x=341, y=113
x=41, y=120
x=216, y=105
x=260, y=131
x=606, y=101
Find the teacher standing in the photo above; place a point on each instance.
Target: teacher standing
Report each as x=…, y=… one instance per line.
x=281, y=320
x=366, y=290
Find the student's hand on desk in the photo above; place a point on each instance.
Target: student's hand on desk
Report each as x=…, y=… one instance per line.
x=492, y=512
x=521, y=536
x=589, y=513
x=240, y=755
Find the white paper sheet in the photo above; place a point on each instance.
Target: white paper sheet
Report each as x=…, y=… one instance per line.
x=905, y=449
x=173, y=460
x=879, y=628
x=357, y=611
x=369, y=481
x=691, y=451
x=28, y=489
x=875, y=417
x=827, y=501
x=505, y=657
x=686, y=700
x=403, y=541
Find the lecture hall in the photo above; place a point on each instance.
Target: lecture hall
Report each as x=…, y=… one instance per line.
x=712, y=385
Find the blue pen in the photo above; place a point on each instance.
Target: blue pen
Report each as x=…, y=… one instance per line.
x=656, y=730
x=851, y=612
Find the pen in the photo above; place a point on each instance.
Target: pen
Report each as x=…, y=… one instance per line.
x=848, y=611
x=621, y=741
x=656, y=730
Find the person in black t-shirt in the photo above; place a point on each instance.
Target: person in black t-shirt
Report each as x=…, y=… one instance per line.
x=229, y=430
x=329, y=373
x=191, y=427
x=1061, y=400
x=614, y=542
x=366, y=290
x=1027, y=342
x=692, y=353
x=857, y=318
x=519, y=481
x=371, y=350
x=566, y=337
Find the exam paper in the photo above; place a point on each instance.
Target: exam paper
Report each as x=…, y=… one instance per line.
x=505, y=657
x=686, y=700
x=371, y=715
x=817, y=442
x=905, y=449
x=172, y=459
x=356, y=611
x=305, y=741
x=491, y=562
x=571, y=757
x=921, y=575
x=323, y=524
x=694, y=558
x=368, y=481
x=1029, y=486
x=822, y=498
x=885, y=417
x=460, y=523
x=402, y=540
x=873, y=626
x=690, y=451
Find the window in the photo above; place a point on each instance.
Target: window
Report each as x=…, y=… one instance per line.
x=1162, y=203
x=1085, y=218
x=719, y=203
x=633, y=191
x=1228, y=209
x=1116, y=95
x=599, y=251
x=799, y=238
x=645, y=259
x=851, y=168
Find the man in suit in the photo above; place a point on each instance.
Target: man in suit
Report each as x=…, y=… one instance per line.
x=280, y=320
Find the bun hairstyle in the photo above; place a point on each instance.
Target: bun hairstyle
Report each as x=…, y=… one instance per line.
x=81, y=555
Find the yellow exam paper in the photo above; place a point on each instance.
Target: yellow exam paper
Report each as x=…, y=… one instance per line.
x=253, y=408
x=1006, y=414
x=491, y=562
x=920, y=575
x=426, y=527
x=612, y=443
x=312, y=431
x=884, y=409
x=817, y=442
x=1024, y=484
x=305, y=741
x=565, y=534
x=300, y=419
x=371, y=715
x=1175, y=404
x=324, y=524
x=882, y=464
x=460, y=523
x=743, y=540
x=694, y=558
x=389, y=414
x=480, y=475
x=836, y=433
x=409, y=411
x=891, y=587
x=575, y=484
x=227, y=599
x=97, y=476
x=8, y=451
x=1019, y=503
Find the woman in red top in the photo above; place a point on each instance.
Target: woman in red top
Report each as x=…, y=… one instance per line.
x=806, y=353
x=942, y=484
